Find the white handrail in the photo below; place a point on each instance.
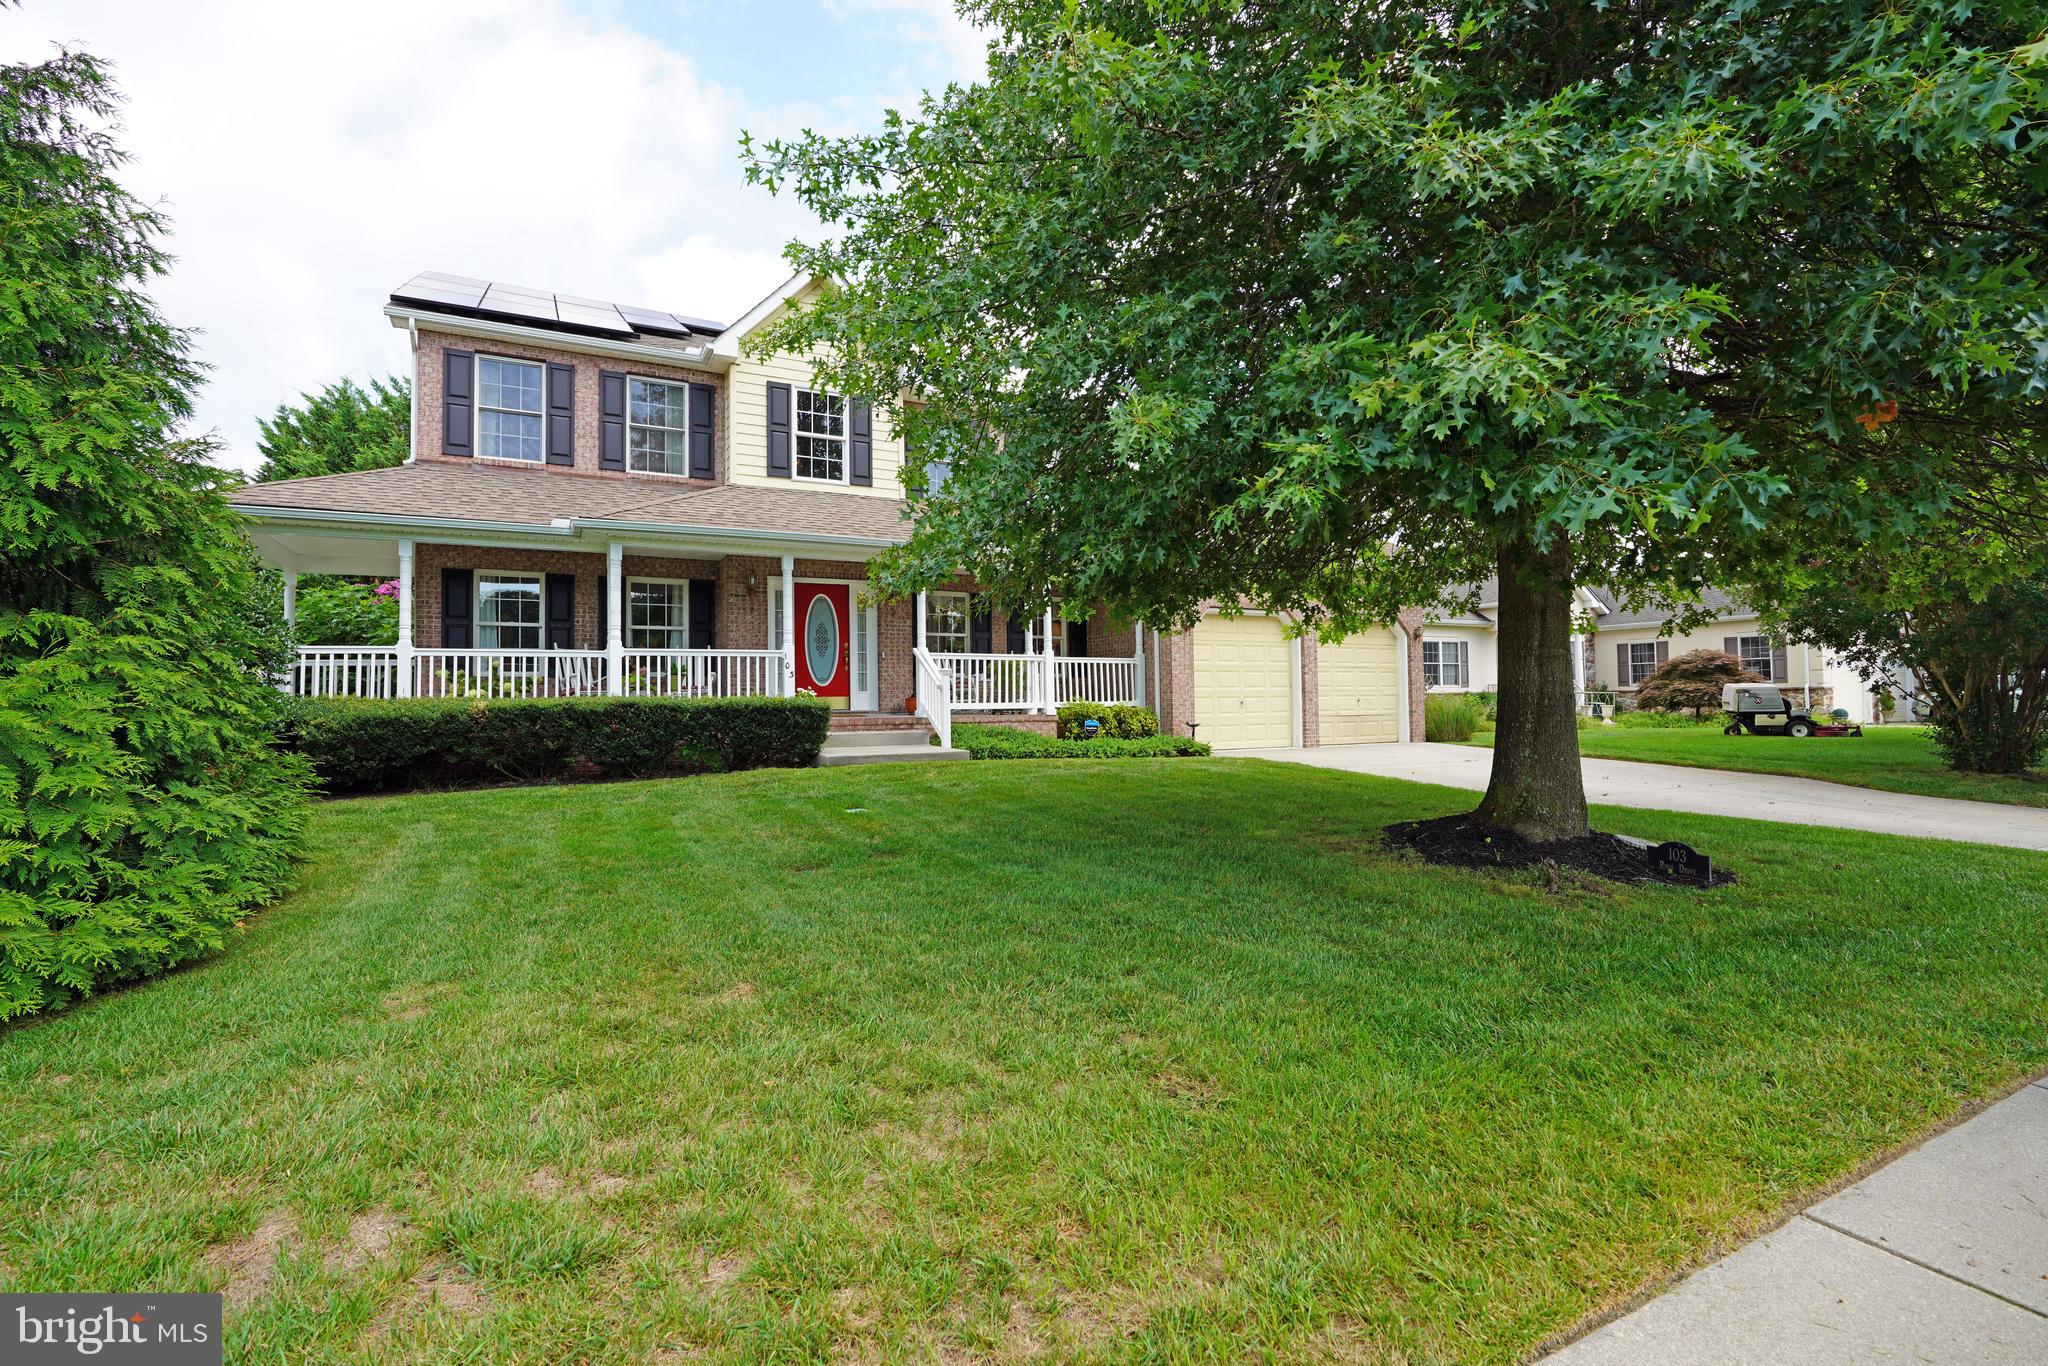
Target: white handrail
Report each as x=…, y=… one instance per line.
x=988, y=682
x=344, y=671
x=490, y=674
x=703, y=673
x=1095, y=678
x=934, y=693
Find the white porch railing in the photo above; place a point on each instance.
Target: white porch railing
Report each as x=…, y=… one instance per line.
x=933, y=688
x=489, y=674
x=345, y=671
x=1094, y=678
x=991, y=682
x=703, y=673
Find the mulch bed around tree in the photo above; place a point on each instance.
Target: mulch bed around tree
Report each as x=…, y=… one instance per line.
x=1461, y=842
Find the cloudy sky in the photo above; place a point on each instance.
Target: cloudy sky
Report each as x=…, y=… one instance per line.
x=314, y=156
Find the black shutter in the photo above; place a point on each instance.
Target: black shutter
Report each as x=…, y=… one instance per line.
x=458, y=399
x=778, y=430
x=1780, y=672
x=561, y=413
x=980, y=627
x=1621, y=674
x=1077, y=638
x=1663, y=653
x=1733, y=645
x=604, y=611
x=702, y=403
x=458, y=609
x=703, y=613
x=611, y=420
x=860, y=444
x=1013, y=641
x=561, y=611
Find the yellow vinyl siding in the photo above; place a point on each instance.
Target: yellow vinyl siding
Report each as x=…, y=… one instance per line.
x=1244, y=685
x=747, y=437
x=1358, y=690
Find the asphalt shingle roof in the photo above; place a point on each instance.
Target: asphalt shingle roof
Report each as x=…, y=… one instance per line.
x=447, y=491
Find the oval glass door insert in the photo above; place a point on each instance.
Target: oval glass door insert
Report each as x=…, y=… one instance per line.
x=821, y=640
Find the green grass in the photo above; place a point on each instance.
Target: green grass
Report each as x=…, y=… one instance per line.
x=1892, y=758
x=1160, y=1059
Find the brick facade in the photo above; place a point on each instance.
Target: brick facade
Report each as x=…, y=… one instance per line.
x=430, y=388
x=746, y=585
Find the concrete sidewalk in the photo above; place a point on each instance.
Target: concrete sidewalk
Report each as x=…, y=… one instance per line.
x=1941, y=1256
x=1707, y=791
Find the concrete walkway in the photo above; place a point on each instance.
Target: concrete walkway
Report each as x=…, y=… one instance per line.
x=1942, y=1256
x=1707, y=791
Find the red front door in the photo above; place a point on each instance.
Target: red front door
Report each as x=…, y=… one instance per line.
x=822, y=632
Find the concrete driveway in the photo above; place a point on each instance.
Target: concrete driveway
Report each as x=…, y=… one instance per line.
x=1706, y=791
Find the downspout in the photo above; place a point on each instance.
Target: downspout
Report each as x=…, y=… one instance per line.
x=1404, y=724
x=412, y=439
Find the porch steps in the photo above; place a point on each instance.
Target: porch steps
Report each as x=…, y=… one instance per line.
x=903, y=740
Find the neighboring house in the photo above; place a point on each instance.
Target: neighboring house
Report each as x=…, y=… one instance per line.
x=1628, y=645
x=1461, y=645
x=604, y=499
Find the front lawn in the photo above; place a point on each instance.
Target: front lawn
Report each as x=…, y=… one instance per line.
x=1891, y=758
x=1146, y=1058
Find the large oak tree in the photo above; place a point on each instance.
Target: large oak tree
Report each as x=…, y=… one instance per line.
x=1327, y=307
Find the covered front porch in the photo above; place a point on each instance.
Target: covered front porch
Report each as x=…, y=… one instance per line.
x=660, y=616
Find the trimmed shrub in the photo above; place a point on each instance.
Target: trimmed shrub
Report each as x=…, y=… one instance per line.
x=1119, y=721
x=394, y=746
x=1449, y=718
x=1007, y=742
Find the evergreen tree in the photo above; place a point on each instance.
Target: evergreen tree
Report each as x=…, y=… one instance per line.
x=343, y=427
x=142, y=809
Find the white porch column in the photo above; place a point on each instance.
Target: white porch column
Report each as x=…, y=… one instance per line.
x=1138, y=665
x=1045, y=688
x=405, y=646
x=615, y=620
x=291, y=597
x=917, y=640
x=789, y=626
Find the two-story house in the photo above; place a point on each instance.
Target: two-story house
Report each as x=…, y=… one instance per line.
x=604, y=499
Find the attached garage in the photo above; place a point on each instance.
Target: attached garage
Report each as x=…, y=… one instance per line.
x=1245, y=683
x=1359, y=690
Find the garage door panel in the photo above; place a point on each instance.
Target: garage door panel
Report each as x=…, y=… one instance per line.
x=1244, y=683
x=1358, y=689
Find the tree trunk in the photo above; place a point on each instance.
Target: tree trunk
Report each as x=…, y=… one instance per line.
x=1536, y=790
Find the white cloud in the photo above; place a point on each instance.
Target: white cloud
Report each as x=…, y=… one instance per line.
x=313, y=157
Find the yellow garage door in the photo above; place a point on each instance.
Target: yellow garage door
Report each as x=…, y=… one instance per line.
x=1358, y=687
x=1244, y=685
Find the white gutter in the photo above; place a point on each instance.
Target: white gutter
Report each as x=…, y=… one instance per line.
x=561, y=526
x=383, y=519
x=697, y=356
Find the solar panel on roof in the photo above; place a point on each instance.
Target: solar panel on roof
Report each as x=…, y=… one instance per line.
x=519, y=303
x=599, y=317
x=436, y=288
x=441, y=289
x=651, y=320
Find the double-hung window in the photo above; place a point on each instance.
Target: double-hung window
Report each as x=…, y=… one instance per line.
x=820, y=436
x=657, y=427
x=508, y=408
x=1755, y=654
x=945, y=623
x=1444, y=664
x=657, y=614
x=508, y=613
x=1642, y=662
